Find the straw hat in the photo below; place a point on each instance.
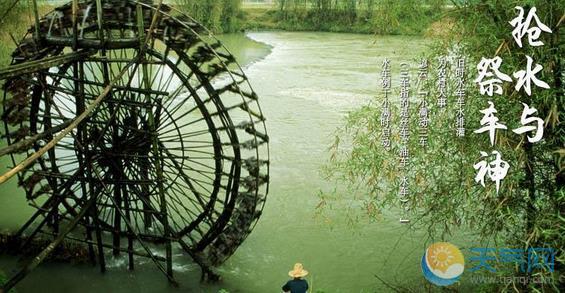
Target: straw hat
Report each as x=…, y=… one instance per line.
x=298, y=271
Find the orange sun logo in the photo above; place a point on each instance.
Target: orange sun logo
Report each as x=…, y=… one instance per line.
x=443, y=263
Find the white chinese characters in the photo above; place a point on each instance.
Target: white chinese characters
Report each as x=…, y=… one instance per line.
x=489, y=70
x=496, y=169
x=523, y=26
x=526, y=77
x=527, y=120
x=490, y=122
x=490, y=80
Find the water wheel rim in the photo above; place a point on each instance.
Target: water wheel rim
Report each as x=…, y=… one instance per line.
x=259, y=198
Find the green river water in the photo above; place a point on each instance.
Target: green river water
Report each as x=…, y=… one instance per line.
x=306, y=83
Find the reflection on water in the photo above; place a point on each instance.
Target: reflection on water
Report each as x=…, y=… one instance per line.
x=306, y=84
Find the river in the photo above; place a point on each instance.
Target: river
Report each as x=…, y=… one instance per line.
x=306, y=83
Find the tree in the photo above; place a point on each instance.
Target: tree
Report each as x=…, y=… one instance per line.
x=216, y=15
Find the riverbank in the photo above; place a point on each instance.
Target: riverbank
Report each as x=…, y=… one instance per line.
x=397, y=20
x=15, y=24
x=392, y=19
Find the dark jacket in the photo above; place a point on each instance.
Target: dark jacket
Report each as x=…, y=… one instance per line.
x=296, y=286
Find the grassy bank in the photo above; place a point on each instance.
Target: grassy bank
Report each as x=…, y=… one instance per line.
x=15, y=24
x=384, y=18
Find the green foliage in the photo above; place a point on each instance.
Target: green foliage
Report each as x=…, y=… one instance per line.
x=529, y=210
x=217, y=15
x=11, y=23
x=407, y=17
x=16, y=22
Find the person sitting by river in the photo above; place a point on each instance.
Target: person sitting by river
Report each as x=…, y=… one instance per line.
x=297, y=284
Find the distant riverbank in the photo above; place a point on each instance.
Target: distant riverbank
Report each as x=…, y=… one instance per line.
x=382, y=17
x=393, y=19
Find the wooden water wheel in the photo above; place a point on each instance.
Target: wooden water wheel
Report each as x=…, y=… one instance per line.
x=141, y=133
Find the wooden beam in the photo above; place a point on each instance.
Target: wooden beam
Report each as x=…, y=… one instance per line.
x=92, y=43
x=42, y=64
x=143, y=42
x=36, y=18
x=28, y=142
